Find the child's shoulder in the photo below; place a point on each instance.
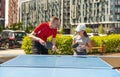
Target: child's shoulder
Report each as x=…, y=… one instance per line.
x=76, y=37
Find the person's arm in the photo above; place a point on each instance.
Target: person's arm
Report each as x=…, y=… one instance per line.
x=32, y=35
x=37, y=30
x=89, y=45
x=54, y=44
x=53, y=41
x=74, y=44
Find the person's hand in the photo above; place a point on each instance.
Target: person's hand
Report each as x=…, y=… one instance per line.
x=41, y=41
x=54, y=48
x=83, y=46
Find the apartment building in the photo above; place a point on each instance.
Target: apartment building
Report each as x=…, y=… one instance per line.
x=2, y=13
x=96, y=12
x=12, y=12
x=71, y=12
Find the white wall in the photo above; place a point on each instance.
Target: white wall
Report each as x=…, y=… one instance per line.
x=6, y=12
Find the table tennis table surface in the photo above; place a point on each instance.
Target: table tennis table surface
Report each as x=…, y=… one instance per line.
x=57, y=66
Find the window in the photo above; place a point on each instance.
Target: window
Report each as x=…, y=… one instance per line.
x=118, y=17
x=118, y=10
x=0, y=5
x=0, y=13
x=111, y=17
x=91, y=1
x=118, y=2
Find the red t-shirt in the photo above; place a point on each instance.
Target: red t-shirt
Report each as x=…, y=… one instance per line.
x=43, y=31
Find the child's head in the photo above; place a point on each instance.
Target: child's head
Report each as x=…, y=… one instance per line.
x=81, y=30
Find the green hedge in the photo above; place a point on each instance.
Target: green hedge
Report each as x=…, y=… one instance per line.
x=112, y=42
x=27, y=45
x=63, y=44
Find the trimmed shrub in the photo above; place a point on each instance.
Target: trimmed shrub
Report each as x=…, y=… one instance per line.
x=101, y=29
x=112, y=42
x=27, y=45
x=88, y=30
x=63, y=44
x=61, y=30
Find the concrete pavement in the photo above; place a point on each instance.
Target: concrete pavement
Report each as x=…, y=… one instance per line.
x=8, y=54
x=17, y=51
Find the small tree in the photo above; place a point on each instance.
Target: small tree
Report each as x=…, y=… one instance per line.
x=101, y=29
x=88, y=30
x=27, y=29
x=6, y=27
x=16, y=26
x=1, y=28
x=31, y=27
x=19, y=24
x=61, y=30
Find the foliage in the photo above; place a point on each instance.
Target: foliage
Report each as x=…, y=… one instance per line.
x=61, y=30
x=27, y=45
x=7, y=27
x=63, y=44
x=112, y=42
x=88, y=30
x=16, y=26
x=1, y=28
x=31, y=27
x=101, y=29
x=73, y=29
x=27, y=29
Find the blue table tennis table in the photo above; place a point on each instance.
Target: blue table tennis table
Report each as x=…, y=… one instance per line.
x=57, y=66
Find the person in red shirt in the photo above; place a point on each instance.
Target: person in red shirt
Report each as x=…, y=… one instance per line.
x=41, y=33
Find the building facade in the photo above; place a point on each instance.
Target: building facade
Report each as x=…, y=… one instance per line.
x=12, y=12
x=2, y=13
x=36, y=11
x=96, y=12
x=71, y=12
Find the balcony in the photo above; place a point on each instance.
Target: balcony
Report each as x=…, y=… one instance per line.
x=96, y=1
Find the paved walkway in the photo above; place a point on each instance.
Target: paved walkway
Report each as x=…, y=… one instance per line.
x=12, y=52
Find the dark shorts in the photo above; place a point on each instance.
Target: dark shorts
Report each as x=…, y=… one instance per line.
x=37, y=48
x=83, y=52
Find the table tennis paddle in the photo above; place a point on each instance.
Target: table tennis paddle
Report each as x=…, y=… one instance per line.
x=75, y=45
x=48, y=45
